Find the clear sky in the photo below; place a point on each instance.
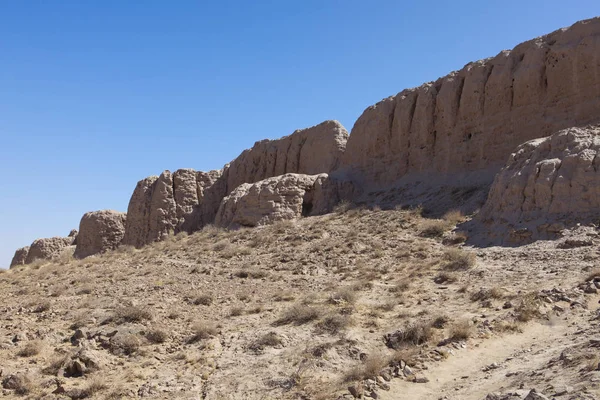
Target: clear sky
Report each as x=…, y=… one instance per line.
x=96, y=95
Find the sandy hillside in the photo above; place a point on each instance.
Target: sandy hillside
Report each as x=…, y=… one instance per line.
x=359, y=303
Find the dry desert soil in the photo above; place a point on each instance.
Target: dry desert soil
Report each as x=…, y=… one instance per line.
x=362, y=302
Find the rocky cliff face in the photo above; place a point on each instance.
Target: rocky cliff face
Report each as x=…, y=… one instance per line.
x=472, y=119
x=278, y=198
x=187, y=199
x=310, y=151
x=549, y=179
x=48, y=248
x=166, y=204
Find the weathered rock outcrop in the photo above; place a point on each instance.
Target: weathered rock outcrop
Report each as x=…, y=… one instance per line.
x=472, y=119
x=278, y=198
x=47, y=248
x=20, y=256
x=166, y=204
x=546, y=180
x=187, y=199
x=100, y=231
x=309, y=151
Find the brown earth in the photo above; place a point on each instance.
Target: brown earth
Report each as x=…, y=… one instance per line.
x=308, y=309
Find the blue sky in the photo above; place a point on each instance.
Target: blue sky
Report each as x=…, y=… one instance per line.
x=95, y=95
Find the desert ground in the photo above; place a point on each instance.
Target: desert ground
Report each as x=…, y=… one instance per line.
x=360, y=303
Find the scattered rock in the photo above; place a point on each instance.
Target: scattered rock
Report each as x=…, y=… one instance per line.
x=574, y=243
x=14, y=381
x=534, y=395
x=356, y=390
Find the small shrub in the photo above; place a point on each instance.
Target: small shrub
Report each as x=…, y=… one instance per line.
x=241, y=274
x=460, y=330
x=31, y=349
x=415, y=334
x=125, y=345
x=440, y=321
x=84, y=290
x=387, y=306
x=256, y=310
x=445, y=277
x=528, y=309
x=342, y=207
x=157, y=335
x=56, y=364
x=132, y=314
x=453, y=217
x=458, y=259
x=236, y=311
x=371, y=367
x=487, y=294
x=22, y=384
x=221, y=245
x=298, y=314
x=283, y=296
x=400, y=287
x=593, y=363
x=202, y=331
x=346, y=295
x=95, y=386
x=433, y=228
x=270, y=339
x=333, y=324
x=42, y=307
x=204, y=299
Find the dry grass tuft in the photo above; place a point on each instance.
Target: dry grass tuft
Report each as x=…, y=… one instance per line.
x=342, y=207
x=445, y=277
x=283, y=296
x=270, y=339
x=157, y=335
x=414, y=334
x=202, y=331
x=484, y=294
x=400, y=287
x=125, y=345
x=31, y=349
x=95, y=386
x=458, y=259
x=369, y=369
x=298, y=314
x=528, y=308
x=236, y=311
x=42, y=307
x=433, y=228
x=203, y=299
x=440, y=321
x=131, y=314
x=461, y=330
x=453, y=217
x=345, y=295
x=23, y=385
x=333, y=324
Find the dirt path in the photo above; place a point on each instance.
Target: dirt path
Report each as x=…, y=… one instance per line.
x=461, y=376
